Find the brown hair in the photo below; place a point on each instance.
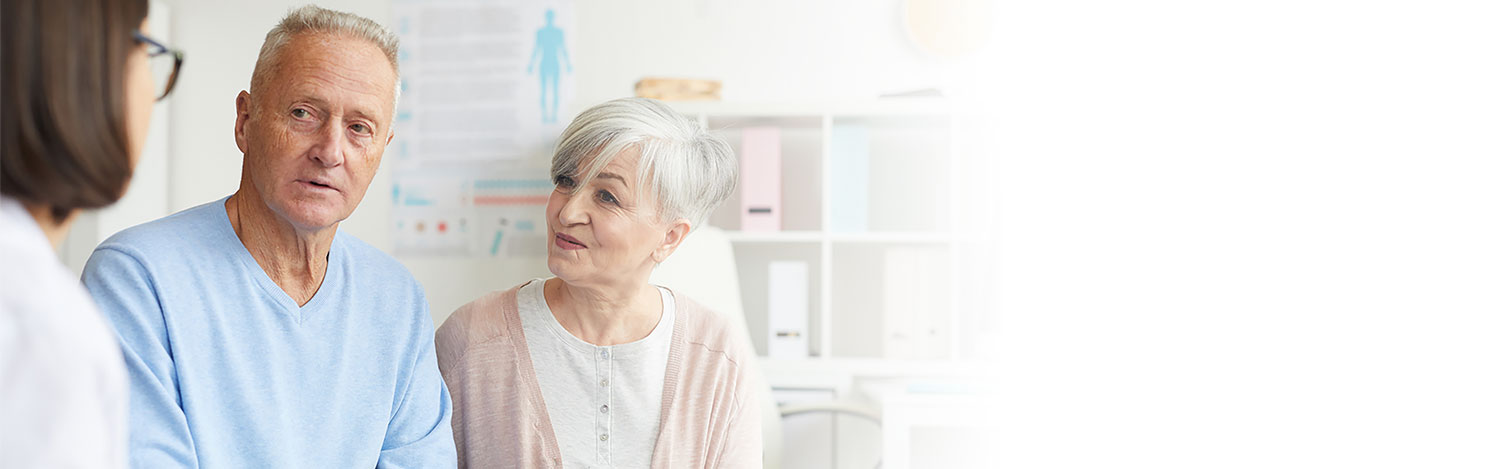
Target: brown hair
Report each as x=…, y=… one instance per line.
x=63, y=138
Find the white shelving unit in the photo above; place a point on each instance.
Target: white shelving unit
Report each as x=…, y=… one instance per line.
x=924, y=197
x=914, y=175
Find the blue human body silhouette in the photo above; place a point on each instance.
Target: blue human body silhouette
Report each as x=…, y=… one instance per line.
x=552, y=55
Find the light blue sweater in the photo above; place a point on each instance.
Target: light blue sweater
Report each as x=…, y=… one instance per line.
x=227, y=371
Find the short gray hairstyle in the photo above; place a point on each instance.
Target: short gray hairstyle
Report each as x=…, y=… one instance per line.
x=315, y=19
x=691, y=170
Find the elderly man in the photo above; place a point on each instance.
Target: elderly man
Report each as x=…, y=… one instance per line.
x=254, y=332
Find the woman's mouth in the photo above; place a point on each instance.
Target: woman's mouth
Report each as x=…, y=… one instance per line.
x=567, y=242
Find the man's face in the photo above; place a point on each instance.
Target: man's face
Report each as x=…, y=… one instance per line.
x=315, y=130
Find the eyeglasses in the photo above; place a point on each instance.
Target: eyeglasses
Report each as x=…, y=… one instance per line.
x=165, y=64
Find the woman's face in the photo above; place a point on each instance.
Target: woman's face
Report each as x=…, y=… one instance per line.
x=140, y=96
x=603, y=234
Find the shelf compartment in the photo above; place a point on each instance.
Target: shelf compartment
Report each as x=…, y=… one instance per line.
x=908, y=173
x=891, y=301
x=753, y=261
x=801, y=170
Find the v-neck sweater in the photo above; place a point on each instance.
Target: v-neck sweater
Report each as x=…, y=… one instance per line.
x=226, y=370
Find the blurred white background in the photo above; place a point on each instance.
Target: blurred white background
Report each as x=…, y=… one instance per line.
x=1254, y=234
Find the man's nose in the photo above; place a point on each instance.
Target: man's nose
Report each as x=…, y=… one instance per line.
x=328, y=148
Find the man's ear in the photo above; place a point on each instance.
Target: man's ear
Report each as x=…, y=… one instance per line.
x=241, y=117
x=390, y=137
x=677, y=230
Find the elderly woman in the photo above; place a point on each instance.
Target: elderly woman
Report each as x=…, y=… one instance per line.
x=596, y=366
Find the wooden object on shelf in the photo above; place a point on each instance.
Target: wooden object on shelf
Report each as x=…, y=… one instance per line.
x=678, y=89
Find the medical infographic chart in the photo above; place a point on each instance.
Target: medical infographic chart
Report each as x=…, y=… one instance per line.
x=439, y=214
x=485, y=85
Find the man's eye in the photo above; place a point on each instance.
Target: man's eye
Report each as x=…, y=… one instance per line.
x=301, y=113
x=360, y=128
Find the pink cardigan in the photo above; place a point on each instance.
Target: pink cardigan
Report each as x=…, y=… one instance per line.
x=710, y=416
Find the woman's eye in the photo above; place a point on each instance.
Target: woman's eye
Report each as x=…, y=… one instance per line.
x=301, y=113
x=608, y=197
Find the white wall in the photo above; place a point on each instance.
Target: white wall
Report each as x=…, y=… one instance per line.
x=774, y=50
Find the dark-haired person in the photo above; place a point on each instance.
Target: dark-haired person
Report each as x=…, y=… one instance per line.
x=76, y=94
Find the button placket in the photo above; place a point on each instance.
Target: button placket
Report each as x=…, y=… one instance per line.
x=603, y=393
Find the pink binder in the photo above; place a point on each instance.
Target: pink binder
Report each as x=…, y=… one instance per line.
x=760, y=179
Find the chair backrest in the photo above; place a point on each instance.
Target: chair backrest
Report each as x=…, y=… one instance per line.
x=703, y=269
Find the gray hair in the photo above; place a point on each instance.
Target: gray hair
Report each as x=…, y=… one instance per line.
x=691, y=170
x=315, y=19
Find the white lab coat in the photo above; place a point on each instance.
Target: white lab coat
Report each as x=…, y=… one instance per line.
x=62, y=378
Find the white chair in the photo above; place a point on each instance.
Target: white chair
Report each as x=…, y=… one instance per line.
x=703, y=268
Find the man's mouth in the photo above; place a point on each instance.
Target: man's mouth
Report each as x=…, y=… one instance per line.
x=319, y=183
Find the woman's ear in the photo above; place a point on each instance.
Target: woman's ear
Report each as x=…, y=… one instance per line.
x=677, y=230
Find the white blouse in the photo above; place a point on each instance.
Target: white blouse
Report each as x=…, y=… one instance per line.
x=604, y=402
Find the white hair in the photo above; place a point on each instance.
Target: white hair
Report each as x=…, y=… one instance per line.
x=315, y=19
x=691, y=170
